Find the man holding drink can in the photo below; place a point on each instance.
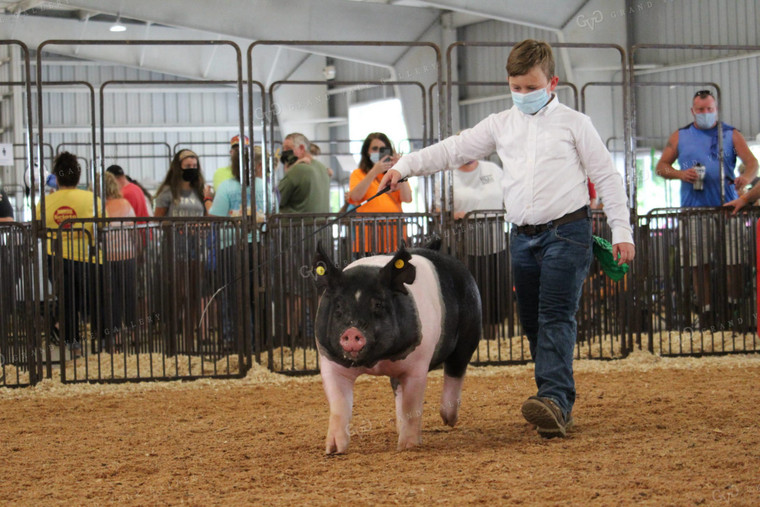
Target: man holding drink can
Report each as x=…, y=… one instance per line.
x=696, y=148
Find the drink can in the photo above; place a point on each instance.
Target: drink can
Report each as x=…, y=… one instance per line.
x=700, y=183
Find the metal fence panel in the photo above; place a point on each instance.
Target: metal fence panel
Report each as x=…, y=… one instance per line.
x=149, y=301
x=700, y=281
x=19, y=352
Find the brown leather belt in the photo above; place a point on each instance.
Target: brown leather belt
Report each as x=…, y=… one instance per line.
x=532, y=230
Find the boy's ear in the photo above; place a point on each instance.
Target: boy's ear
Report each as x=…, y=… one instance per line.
x=399, y=271
x=326, y=274
x=554, y=81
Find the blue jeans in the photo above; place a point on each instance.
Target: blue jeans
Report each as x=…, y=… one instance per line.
x=548, y=270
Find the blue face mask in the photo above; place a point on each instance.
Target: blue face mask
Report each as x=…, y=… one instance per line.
x=705, y=120
x=531, y=103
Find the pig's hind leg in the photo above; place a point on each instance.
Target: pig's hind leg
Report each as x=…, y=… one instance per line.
x=454, y=368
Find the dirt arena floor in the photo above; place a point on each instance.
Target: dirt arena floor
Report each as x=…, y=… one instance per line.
x=648, y=431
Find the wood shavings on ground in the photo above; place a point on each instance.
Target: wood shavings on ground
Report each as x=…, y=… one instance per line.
x=638, y=361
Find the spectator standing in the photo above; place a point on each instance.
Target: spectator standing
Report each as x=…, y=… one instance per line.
x=477, y=186
x=377, y=156
x=697, y=143
x=305, y=188
x=79, y=265
x=228, y=202
x=185, y=248
x=129, y=191
x=120, y=254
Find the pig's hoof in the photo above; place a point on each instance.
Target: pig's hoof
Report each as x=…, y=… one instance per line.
x=409, y=443
x=449, y=415
x=336, y=446
x=331, y=449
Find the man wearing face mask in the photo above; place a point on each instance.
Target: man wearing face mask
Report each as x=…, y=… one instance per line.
x=693, y=146
x=305, y=188
x=697, y=143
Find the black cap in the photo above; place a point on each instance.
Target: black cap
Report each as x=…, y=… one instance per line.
x=116, y=170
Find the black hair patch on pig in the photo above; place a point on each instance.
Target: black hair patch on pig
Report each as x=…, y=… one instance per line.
x=368, y=299
x=462, y=317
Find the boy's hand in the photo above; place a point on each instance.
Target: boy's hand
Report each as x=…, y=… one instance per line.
x=623, y=252
x=390, y=179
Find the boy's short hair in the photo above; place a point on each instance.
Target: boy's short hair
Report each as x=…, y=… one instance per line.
x=527, y=54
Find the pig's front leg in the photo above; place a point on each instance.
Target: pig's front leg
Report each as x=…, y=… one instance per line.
x=410, y=396
x=339, y=388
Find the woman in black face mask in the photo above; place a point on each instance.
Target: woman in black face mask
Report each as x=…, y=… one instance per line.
x=186, y=252
x=181, y=193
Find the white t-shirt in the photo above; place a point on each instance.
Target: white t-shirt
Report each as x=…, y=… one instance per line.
x=479, y=189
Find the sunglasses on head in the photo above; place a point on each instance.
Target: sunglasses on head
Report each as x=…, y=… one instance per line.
x=703, y=93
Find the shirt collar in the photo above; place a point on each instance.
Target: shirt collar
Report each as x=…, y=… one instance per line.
x=553, y=103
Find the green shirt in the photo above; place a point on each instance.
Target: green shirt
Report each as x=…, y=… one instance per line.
x=305, y=189
x=222, y=174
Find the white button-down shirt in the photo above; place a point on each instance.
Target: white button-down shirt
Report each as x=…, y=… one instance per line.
x=546, y=158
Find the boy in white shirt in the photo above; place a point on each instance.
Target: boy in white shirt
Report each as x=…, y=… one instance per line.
x=547, y=151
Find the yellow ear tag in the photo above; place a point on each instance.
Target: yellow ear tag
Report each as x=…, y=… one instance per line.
x=399, y=264
x=320, y=270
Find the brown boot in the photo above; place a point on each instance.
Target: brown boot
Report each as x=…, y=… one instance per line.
x=546, y=416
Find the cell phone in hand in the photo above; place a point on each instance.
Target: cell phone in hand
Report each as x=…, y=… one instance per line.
x=385, y=152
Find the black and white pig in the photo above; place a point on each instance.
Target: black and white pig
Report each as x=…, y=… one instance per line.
x=397, y=315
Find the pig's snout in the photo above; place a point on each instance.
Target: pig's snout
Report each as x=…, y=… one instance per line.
x=352, y=341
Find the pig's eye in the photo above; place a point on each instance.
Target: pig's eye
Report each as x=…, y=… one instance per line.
x=376, y=305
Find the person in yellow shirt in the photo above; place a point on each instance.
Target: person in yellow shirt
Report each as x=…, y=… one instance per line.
x=80, y=267
x=377, y=156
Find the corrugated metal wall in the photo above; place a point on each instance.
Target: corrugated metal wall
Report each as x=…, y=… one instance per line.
x=145, y=123
x=660, y=111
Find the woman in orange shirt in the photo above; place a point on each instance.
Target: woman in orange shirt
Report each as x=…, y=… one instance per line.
x=377, y=156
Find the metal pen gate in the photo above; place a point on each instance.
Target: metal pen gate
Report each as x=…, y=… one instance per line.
x=657, y=306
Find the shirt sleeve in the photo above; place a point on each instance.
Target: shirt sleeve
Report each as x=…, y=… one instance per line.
x=221, y=204
x=164, y=199
x=285, y=188
x=472, y=144
x=609, y=184
x=6, y=210
x=356, y=177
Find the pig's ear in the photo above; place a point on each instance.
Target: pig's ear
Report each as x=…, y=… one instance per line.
x=399, y=271
x=324, y=271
